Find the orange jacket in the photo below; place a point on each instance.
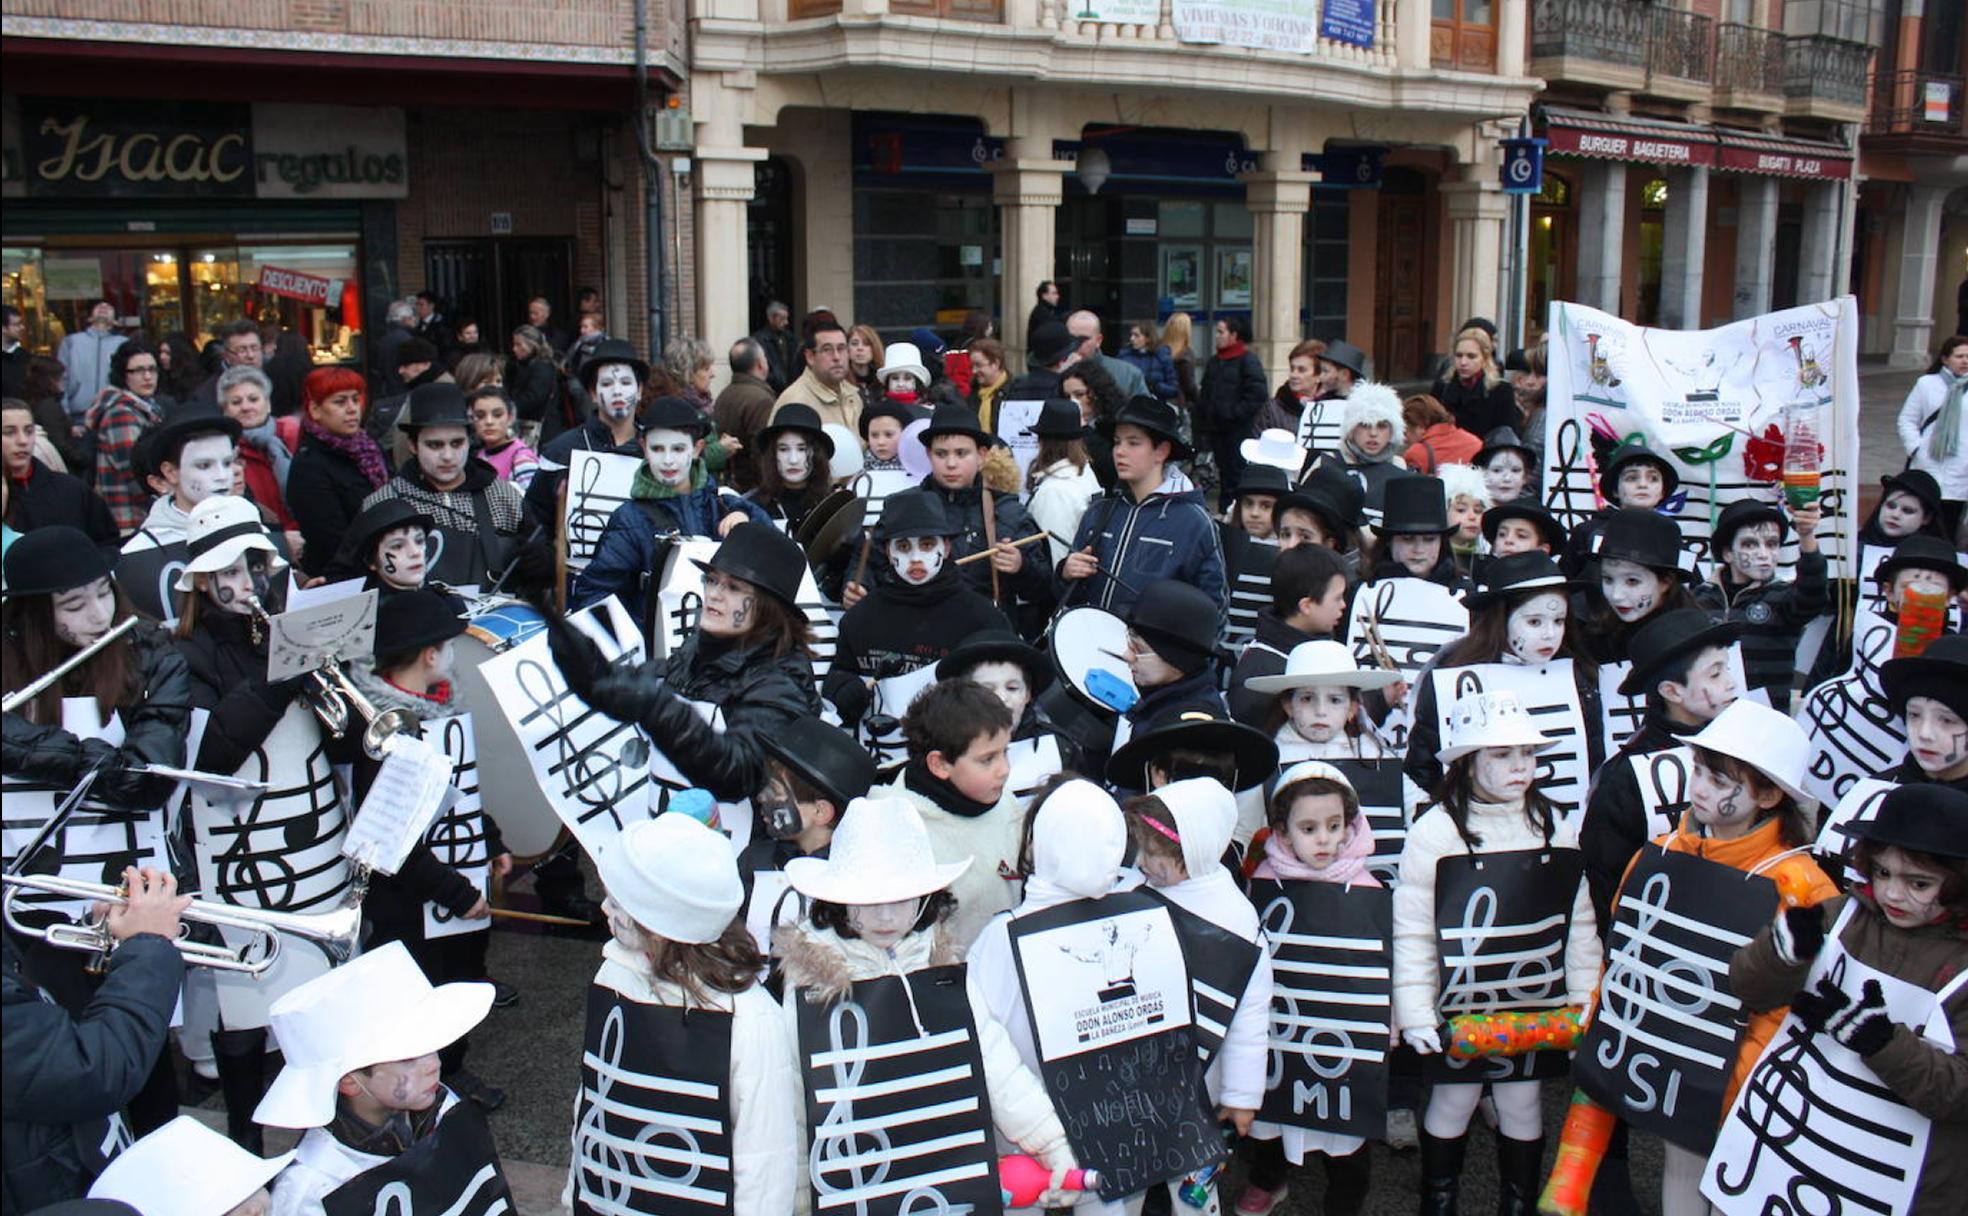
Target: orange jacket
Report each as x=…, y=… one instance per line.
x=1800, y=884
x=1443, y=443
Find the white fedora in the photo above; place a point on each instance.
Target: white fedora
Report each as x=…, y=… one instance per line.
x=376, y=1009
x=1276, y=447
x=1489, y=719
x=218, y=531
x=1312, y=664
x=1768, y=741
x=902, y=357
x=880, y=855
x=186, y=1169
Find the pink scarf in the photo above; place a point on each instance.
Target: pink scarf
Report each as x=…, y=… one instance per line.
x=358, y=447
x=1350, y=866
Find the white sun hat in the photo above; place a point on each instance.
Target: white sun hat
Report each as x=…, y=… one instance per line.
x=186, y=1169
x=374, y=1010
x=880, y=855
x=675, y=875
x=1489, y=719
x=1767, y=740
x=218, y=530
x=902, y=357
x=1276, y=447
x=1312, y=664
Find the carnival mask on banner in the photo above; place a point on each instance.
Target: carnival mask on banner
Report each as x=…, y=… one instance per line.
x=85, y=613
x=794, y=457
x=1319, y=714
x=616, y=390
x=1007, y=680
x=918, y=559
x=401, y=557
x=1535, y=629
x=670, y=455
x=206, y=466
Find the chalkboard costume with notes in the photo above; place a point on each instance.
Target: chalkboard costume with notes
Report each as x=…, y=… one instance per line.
x=443, y=1158
x=1621, y=813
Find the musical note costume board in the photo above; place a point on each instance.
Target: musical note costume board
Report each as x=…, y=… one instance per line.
x=150, y=578
x=458, y=837
x=453, y=1171
x=281, y=850
x=1321, y=424
x=680, y=599
x=1331, y=1006
x=597, y=483
x=876, y=485
x=1033, y=761
x=880, y=728
x=1663, y=1042
x=1549, y=694
x=1836, y=843
x=1663, y=779
x=1814, y=1127
x=1414, y=618
x=1851, y=726
x=1622, y=716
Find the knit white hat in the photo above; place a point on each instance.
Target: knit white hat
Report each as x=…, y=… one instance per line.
x=675, y=875
x=880, y=855
x=186, y=1169
x=1371, y=402
x=1489, y=719
x=217, y=531
x=1769, y=741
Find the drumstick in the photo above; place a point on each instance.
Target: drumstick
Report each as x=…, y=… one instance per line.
x=991, y=538
x=538, y=918
x=861, y=564
x=982, y=554
x=1381, y=655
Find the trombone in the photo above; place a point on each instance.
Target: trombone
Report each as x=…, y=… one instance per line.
x=332, y=698
x=335, y=931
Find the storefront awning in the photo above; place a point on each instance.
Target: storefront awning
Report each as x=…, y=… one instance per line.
x=1744, y=152
x=1620, y=137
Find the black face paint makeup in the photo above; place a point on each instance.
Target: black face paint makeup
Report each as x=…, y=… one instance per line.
x=741, y=613
x=389, y=563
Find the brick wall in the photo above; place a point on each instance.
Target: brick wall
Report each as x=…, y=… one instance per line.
x=585, y=23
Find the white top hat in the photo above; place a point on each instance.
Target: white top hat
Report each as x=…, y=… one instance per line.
x=677, y=876
x=879, y=855
x=374, y=1010
x=902, y=357
x=1308, y=770
x=1276, y=447
x=1767, y=740
x=186, y=1169
x=1489, y=719
x=1311, y=664
x=217, y=531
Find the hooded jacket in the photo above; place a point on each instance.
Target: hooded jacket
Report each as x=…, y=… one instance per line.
x=1168, y=534
x=154, y=728
x=625, y=557
x=899, y=628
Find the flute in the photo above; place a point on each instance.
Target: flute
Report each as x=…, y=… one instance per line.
x=14, y=700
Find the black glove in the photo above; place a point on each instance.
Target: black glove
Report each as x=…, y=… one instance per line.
x=277, y=695
x=1865, y=1028
x=1799, y=934
x=622, y=694
x=580, y=660
x=1815, y=1006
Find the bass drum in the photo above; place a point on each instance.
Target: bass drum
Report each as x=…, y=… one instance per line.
x=511, y=794
x=1094, y=686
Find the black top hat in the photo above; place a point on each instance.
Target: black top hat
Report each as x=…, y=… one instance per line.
x=1330, y=492
x=166, y=443
x=1940, y=672
x=611, y=350
x=1636, y=534
x=1919, y=483
x=825, y=757
x=1667, y=636
x=1414, y=505
x=1506, y=438
x=1501, y=577
x=1739, y=515
x=1151, y=414
x=412, y=620
x=1179, y=620
x=910, y=513
x=1923, y=552
x=439, y=403
x=1263, y=479
x=415, y=350
x=888, y=407
x=1051, y=342
x=953, y=418
x=1059, y=418
x=673, y=414
x=52, y=559
x=997, y=646
x=1255, y=756
x=352, y=557
x=1549, y=529
x=1341, y=353
x=1928, y=818
x=1626, y=454
x=763, y=556
x=795, y=416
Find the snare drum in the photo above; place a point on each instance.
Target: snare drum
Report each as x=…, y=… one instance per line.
x=502, y=623
x=1083, y=641
x=510, y=792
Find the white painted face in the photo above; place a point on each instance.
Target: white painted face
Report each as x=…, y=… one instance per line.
x=883, y=926
x=1724, y=805
x=1908, y=892
x=1503, y=774
x=1505, y=475
x=1535, y=628
x=1641, y=485
x=616, y=391
x=621, y=926
x=205, y=467
x=918, y=559
x=447, y=660
x=1900, y=514
x=1632, y=590
x=670, y=455
x=230, y=589
x=85, y=613
x=1418, y=554
x=441, y=453
x=400, y=557
x=794, y=456
x=1711, y=686
x=1937, y=737
x=1319, y=713
x=1752, y=553
x=1007, y=680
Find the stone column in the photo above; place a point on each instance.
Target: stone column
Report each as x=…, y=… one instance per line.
x=1756, y=244
x=1278, y=198
x=1920, y=254
x=1477, y=211
x=1817, y=252
x=1602, y=233
x=1030, y=185
x=724, y=186
x=1684, y=232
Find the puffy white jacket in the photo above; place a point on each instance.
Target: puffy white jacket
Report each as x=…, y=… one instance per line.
x=1925, y=401
x=764, y=1090
x=1502, y=829
x=988, y=841
x=1060, y=499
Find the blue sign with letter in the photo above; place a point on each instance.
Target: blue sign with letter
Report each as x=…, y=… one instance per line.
x=1357, y=168
x=1523, y=165
x=1348, y=21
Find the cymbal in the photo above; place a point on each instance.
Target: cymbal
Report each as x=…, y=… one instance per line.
x=840, y=528
x=822, y=511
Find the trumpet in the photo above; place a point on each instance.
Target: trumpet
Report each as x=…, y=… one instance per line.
x=335, y=932
x=332, y=698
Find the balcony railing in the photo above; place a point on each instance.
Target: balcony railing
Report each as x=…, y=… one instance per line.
x=1827, y=69
x=1681, y=45
x=1749, y=60
x=955, y=10
x=1602, y=31
x=1917, y=103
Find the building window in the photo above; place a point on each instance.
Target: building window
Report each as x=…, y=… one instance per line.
x=923, y=254
x=1653, y=195
x=1463, y=35
x=1327, y=253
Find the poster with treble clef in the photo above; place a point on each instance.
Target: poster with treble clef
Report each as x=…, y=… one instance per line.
x=1729, y=407
x=459, y=836
x=597, y=483
x=1851, y=726
x=1662, y=1044
x=1321, y=425
x=1403, y=621
x=1549, y=694
x=457, y=1175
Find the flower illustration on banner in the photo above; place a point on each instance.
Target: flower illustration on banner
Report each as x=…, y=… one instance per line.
x=1763, y=455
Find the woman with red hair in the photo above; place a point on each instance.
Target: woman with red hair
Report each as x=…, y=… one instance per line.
x=337, y=466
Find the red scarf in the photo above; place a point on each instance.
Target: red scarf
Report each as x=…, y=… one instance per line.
x=1235, y=350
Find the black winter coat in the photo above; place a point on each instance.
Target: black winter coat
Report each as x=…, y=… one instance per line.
x=325, y=490
x=965, y=507
x=1615, y=823
x=1164, y=706
x=154, y=733
x=1774, y=615
x=65, y=1076
x=48, y=497
x=535, y=387
x=1479, y=410
x=1232, y=392
x=898, y=629
x=1265, y=655
x=228, y=679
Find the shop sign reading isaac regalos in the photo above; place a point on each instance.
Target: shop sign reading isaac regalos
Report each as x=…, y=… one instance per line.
x=59, y=147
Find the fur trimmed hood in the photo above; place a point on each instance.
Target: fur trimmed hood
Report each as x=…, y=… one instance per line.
x=1371, y=402
x=825, y=964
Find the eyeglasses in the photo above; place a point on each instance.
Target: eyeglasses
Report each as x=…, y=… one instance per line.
x=148, y=369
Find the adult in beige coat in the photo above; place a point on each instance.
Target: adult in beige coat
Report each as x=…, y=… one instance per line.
x=825, y=384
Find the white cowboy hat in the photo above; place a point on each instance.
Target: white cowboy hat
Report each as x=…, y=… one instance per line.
x=186, y=1169
x=1767, y=740
x=374, y=1010
x=880, y=855
x=1276, y=447
x=1311, y=664
x=217, y=531
x=676, y=876
x=1489, y=719
x=902, y=357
